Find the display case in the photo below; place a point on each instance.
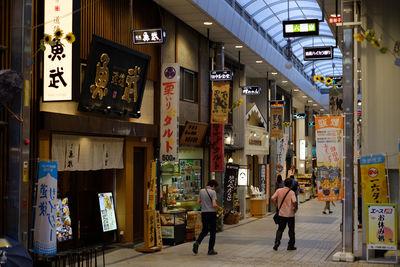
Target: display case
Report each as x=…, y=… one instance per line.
x=173, y=227
x=305, y=186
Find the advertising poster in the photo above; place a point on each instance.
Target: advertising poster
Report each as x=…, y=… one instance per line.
x=169, y=112
x=63, y=224
x=262, y=178
x=220, y=102
x=230, y=183
x=281, y=155
x=382, y=226
x=45, y=240
x=373, y=179
x=329, y=146
x=107, y=212
x=277, y=121
x=217, y=148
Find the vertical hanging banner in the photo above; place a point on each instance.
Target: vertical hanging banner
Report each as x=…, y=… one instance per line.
x=220, y=102
x=45, y=241
x=57, y=67
x=281, y=155
x=169, y=112
x=335, y=101
x=329, y=146
x=230, y=183
x=152, y=186
x=373, y=179
x=217, y=148
x=382, y=226
x=277, y=118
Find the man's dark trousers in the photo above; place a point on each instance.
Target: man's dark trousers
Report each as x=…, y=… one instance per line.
x=282, y=225
x=209, y=221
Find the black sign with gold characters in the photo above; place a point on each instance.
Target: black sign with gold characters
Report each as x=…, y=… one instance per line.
x=115, y=79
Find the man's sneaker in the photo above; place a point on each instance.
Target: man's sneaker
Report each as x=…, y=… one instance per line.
x=276, y=247
x=195, y=247
x=212, y=252
x=324, y=212
x=330, y=212
x=291, y=248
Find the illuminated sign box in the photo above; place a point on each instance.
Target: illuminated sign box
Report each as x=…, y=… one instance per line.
x=317, y=53
x=251, y=90
x=298, y=116
x=243, y=177
x=337, y=80
x=220, y=75
x=149, y=36
x=302, y=149
x=296, y=28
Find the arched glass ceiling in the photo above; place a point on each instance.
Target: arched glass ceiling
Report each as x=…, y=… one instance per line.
x=269, y=15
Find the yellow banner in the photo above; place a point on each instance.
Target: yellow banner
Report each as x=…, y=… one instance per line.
x=277, y=122
x=152, y=186
x=220, y=102
x=382, y=226
x=373, y=179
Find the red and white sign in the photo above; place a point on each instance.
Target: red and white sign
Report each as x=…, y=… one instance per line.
x=169, y=112
x=373, y=172
x=334, y=19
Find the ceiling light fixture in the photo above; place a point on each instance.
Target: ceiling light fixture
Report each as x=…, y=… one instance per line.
x=258, y=61
x=315, y=104
x=208, y=23
x=309, y=101
x=321, y=109
x=304, y=96
x=295, y=90
x=238, y=46
x=284, y=81
x=274, y=73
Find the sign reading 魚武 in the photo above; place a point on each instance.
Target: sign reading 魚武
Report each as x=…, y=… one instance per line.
x=373, y=179
x=193, y=133
x=107, y=212
x=220, y=75
x=45, y=241
x=317, y=53
x=296, y=28
x=115, y=79
x=329, y=147
x=277, y=118
x=170, y=73
x=220, y=102
x=217, y=148
x=57, y=65
x=382, y=226
x=251, y=90
x=149, y=36
x=230, y=183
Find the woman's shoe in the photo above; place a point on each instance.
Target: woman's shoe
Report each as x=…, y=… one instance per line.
x=324, y=212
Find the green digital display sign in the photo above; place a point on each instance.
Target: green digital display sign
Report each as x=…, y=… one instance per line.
x=296, y=28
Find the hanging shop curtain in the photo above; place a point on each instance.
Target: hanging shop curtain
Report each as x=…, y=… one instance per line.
x=86, y=153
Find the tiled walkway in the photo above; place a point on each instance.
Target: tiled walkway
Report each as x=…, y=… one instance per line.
x=250, y=244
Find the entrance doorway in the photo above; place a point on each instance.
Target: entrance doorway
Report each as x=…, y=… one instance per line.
x=139, y=167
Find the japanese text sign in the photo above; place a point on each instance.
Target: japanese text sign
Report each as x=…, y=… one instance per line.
x=296, y=28
x=277, y=120
x=220, y=102
x=373, y=179
x=45, y=241
x=220, y=75
x=115, y=79
x=281, y=151
x=382, y=226
x=193, y=133
x=217, y=148
x=251, y=90
x=57, y=66
x=169, y=112
x=317, y=53
x=329, y=150
x=230, y=183
x=334, y=19
x=150, y=36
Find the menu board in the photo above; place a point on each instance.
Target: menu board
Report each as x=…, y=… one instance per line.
x=107, y=212
x=230, y=183
x=63, y=223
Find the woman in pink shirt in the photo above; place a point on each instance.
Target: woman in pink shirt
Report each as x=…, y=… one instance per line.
x=287, y=210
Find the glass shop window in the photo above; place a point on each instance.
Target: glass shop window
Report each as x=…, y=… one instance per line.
x=189, y=86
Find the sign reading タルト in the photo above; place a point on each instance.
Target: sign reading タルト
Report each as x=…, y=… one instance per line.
x=251, y=90
x=150, y=36
x=115, y=79
x=295, y=28
x=317, y=53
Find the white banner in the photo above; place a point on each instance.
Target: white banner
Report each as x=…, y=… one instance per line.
x=170, y=90
x=57, y=75
x=281, y=155
x=45, y=214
